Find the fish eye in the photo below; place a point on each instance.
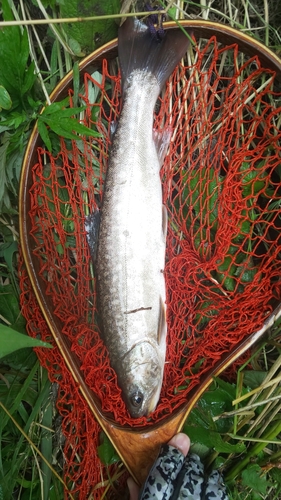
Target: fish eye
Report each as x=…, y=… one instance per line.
x=137, y=399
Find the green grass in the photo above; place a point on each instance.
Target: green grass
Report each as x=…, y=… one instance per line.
x=244, y=414
x=245, y=438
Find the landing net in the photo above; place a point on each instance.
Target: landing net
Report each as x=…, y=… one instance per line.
x=222, y=189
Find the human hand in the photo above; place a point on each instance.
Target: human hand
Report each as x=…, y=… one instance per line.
x=181, y=443
x=175, y=475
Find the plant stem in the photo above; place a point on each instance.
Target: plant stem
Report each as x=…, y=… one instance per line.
x=254, y=451
x=24, y=22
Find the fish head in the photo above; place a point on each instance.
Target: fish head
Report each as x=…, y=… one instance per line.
x=142, y=377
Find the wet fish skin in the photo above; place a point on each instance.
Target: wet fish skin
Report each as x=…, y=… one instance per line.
x=131, y=245
x=131, y=254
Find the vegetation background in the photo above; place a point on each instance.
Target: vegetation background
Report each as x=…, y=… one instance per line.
x=33, y=59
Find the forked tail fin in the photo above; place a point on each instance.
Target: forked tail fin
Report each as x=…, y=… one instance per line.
x=138, y=50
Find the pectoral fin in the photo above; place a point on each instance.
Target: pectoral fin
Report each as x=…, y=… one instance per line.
x=164, y=222
x=162, y=325
x=92, y=225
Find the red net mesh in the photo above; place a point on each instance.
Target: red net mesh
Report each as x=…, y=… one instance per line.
x=84, y=475
x=222, y=189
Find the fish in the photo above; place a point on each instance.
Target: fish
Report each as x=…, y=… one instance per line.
x=128, y=247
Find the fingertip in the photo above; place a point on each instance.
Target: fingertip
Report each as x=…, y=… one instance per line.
x=133, y=489
x=182, y=442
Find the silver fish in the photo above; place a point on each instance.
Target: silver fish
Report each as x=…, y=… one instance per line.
x=130, y=256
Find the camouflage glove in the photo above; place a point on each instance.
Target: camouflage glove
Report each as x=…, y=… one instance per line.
x=174, y=477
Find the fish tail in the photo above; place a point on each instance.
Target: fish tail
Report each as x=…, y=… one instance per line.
x=139, y=50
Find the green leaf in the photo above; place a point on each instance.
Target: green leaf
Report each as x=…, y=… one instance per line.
x=106, y=451
x=230, y=389
x=11, y=340
x=60, y=113
x=3, y=153
x=15, y=119
x=44, y=134
x=61, y=121
x=5, y=99
x=94, y=90
x=199, y=418
x=64, y=127
x=7, y=11
x=212, y=439
x=254, y=378
x=81, y=129
x=7, y=252
x=252, y=478
x=9, y=305
x=172, y=12
x=218, y=462
x=15, y=74
x=76, y=83
x=275, y=475
x=14, y=164
x=253, y=180
x=75, y=47
x=216, y=402
x=200, y=449
x=23, y=360
x=54, y=65
x=29, y=79
x=92, y=34
x=55, y=107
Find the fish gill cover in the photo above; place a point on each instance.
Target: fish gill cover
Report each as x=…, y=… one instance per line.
x=222, y=189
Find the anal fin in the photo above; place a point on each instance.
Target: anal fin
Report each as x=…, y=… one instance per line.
x=162, y=139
